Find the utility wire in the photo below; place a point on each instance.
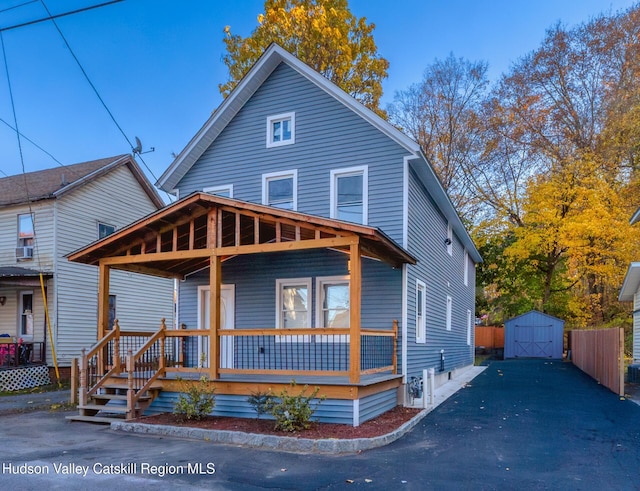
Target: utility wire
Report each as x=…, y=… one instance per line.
x=17, y=6
x=95, y=90
x=52, y=17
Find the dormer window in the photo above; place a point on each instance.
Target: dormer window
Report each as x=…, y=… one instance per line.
x=281, y=130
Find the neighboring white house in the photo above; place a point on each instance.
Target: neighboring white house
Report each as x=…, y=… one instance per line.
x=47, y=214
x=630, y=292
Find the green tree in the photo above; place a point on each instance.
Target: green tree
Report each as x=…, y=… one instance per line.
x=322, y=33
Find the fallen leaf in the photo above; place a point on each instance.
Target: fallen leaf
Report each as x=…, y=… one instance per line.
x=283, y=470
x=349, y=481
x=368, y=480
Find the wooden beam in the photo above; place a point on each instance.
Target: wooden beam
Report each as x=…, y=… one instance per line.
x=287, y=246
x=215, y=280
x=355, y=295
x=157, y=256
x=212, y=229
x=103, y=299
x=138, y=268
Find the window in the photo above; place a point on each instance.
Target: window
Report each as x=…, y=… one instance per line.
x=25, y=230
x=466, y=268
x=26, y=313
x=333, y=301
x=449, y=309
x=293, y=303
x=349, y=194
x=449, y=240
x=224, y=191
x=104, y=230
x=469, y=327
x=280, y=189
x=281, y=130
x=421, y=326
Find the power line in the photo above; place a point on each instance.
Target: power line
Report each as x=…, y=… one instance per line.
x=52, y=17
x=17, y=6
x=95, y=90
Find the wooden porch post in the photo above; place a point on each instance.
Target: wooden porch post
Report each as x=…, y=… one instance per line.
x=215, y=279
x=103, y=311
x=355, y=294
x=103, y=300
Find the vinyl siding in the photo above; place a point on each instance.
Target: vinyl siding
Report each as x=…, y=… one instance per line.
x=443, y=275
x=328, y=136
x=115, y=199
x=255, y=275
x=43, y=242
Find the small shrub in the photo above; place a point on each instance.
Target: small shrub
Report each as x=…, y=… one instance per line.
x=260, y=402
x=196, y=401
x=292, y=412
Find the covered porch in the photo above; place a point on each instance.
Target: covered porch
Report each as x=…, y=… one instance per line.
x=196, y=236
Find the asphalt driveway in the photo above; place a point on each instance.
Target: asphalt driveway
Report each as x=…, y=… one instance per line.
x=521, y=424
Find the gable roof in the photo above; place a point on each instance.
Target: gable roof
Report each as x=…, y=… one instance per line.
x=536, y=314
x=54, y=182
x=174, y=238
x=273, y=56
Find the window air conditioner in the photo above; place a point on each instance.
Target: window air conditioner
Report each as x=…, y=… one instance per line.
x=25, y=252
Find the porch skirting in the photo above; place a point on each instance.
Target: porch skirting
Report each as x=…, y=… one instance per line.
x=24, y=377
x=341, y=411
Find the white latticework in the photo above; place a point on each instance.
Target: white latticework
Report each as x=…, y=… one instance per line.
x=24, y=377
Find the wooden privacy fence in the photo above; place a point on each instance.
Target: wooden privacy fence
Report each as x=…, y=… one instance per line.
x=600, y=354
x=489, y=337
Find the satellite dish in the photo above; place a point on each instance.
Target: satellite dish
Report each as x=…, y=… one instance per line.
x=138, y=148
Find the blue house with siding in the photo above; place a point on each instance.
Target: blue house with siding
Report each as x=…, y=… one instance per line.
x=313, y=241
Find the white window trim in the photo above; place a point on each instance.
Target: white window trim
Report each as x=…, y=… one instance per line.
x=280, y=283
x=320, y=281
x=466, y=268
x=449, y=312
x=421, y=324
x=274, y=176
x=469, y=327
x=21, y=295
x=350, y=171
x=217, y=189
x=449, y=239
x=281, y=117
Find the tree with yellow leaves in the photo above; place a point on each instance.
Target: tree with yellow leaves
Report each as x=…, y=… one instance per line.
x=322, y=33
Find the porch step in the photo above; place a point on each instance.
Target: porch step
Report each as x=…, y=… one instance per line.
x=117, y=397
x=104, y=408
x=93, y=419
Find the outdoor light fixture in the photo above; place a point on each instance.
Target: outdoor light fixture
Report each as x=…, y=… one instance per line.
x=447, y=241
x=3, y=299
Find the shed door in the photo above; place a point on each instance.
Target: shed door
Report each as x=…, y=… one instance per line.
x=533, y=341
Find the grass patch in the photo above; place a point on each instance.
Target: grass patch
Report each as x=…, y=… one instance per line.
x=52, y=387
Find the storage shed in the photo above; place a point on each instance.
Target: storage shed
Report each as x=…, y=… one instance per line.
x=533, y=335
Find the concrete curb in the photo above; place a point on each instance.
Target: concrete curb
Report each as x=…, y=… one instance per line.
x=272, y=442
x=300, y=445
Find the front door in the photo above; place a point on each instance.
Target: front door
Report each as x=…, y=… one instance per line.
x=227, y=321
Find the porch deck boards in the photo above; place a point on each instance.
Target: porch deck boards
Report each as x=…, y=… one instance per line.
x=365, y=380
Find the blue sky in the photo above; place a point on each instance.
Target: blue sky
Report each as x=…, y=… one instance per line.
x=157, y=64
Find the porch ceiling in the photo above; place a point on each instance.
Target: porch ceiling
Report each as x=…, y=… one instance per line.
x=181, y=238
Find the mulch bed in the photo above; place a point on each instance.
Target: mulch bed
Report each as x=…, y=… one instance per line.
x=383, y=424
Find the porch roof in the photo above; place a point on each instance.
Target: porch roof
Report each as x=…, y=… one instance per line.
x=181, y=238
x=17, y=276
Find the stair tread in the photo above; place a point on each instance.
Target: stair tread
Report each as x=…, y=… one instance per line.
x=117, y=397
x=104, y=408
x=125, y=386
x=92, y=419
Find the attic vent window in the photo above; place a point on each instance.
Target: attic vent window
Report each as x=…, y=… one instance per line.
x=281, y=130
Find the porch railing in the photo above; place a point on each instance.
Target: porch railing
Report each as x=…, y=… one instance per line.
x=21, y=354
x=146, y=356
